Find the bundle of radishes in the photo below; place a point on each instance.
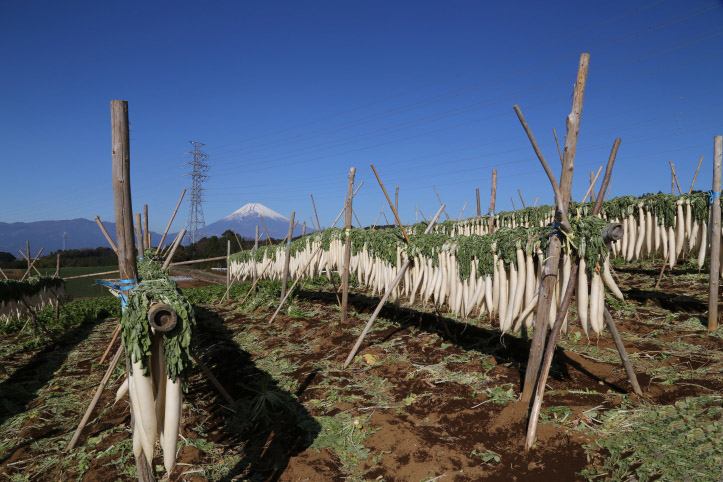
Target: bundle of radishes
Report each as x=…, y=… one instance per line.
x=18, y=298
x=158, y=362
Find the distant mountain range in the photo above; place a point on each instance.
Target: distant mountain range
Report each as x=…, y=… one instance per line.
x=84, y=233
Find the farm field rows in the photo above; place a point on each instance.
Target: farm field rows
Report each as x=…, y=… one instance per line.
x=417, y=404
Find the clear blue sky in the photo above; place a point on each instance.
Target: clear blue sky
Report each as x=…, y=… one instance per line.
x=287, y=96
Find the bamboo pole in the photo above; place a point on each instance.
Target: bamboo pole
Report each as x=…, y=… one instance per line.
x=174, y=247
x=303, y=229
x=621, y=351
x=396, y=198
x=513, y=204
x=675, y=178
x=493, y=200
x=120, y=146
x=194, y=261
x=347, y=245
x=537, y=198
x=170, y=221
x=146, y=232
x=715, y=238
x=423, y=216
x=591, y=190
x=94, y=401
x=287, y=260
x=31, y=264
x=90, y=275
x=462, y=211
x=3, y=273
x=113, y=338
x=440, y=201
x=388, y=291
x=107, y=236
x=695, y=176
x=206, y=371
x=479, y=208
x=562, y=193
x=27, y=249
x=378, y=216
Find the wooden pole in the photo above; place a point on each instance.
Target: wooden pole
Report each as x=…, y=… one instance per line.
x=557, y=142
x=715, y=238
x=94, y=401
x=146, y=233
x=562, y=194
x=90, y=275
x=139, y=236
x=268, y=238
x=394, y=211
x=285, y=274
x=513, y=204
x=537, y=198
x=422, y=214
x=107, y=236
x=396, y=198
x=479, y=208
x=57, y=265
x=303, y=228
x=315, y=213
x=174, y=247
x=389, y=290
x=378, y=216
x=623, y=354
x=493, y=200
x=675, y=178
x=605, y=186
x=194, y=261
x=120, y=146
x=347, y=244
x=3, y=273
x=170, y=221
x=440, y=201
x=228, y=269
x=522, y=200
x=303, y=270
x=700, y=161
x=27, y=250
x=32, y=264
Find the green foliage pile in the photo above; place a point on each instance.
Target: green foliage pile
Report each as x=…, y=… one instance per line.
x=14, y=290
x=156, y=286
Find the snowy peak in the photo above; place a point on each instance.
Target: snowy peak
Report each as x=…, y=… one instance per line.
x=253, y=210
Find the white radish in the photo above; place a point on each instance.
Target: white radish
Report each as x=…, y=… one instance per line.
x=582, y=296
x=609, y=281
x=122, y=390
x=172, y=422
x=594, y=298
x=143, y=386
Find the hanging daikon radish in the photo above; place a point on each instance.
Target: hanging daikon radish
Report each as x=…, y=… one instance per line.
x=641, y=232
x=495, y=284
x=664, y=240
x=689, y=224
x=656, y=233
x=143, y=387
x=582, y=297
x=122, y=390
x=488, y=295
x=625, y=239
x=566, y=269
x=509, y=313
x=648, y=233
x=594, y=300
x=610, y=281
x=171, y=425
x=633, y=238
x=502, y=294
x=703, y=247
x=679, y=228
x=529, y=285
x=672, y=249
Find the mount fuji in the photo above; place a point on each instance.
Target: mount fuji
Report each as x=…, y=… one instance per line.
x=244, y=221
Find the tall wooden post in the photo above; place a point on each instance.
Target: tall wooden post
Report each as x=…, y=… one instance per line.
x=593, y=198
x=288, y=256
x=139, y=235
x=303, y=228
x=347, y=244
x=318, y=226
x=396, y=198
x=493, y=200
x=146, y=233
x=715, y=238
x=120, y=146
x=550, y=270
x=479, y=208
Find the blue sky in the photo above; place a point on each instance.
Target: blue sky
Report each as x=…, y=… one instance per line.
x=287, y=96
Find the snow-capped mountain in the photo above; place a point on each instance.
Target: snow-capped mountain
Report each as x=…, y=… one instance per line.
x=245, y=219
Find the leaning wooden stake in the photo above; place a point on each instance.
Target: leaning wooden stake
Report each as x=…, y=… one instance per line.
x=347, y=245
x=621, y=351
x=170, y=221
x=388, y=291
x=124, y=224
x=174, y=247
x=287, y=260
x=493, y=200
x=715, y=238
x=140, y=245
x=591, y=190
x=695, y=176
x=268, y=238
x=479, y=208
x=675, y=178
x=94, y=401
x=562, y=195
x=116, y=332
x=440, y=201
x=522, y=200
x=206, y=371
x=313, y=204
x=107, y=236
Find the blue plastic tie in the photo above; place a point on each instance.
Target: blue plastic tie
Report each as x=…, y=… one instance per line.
x=713, y=195
x=122, y=285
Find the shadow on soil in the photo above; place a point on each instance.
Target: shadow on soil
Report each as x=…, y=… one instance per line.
x=22, y=386
x=270, y=425
x=504, y=348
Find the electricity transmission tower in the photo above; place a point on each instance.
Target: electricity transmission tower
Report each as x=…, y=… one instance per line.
x=196, y=226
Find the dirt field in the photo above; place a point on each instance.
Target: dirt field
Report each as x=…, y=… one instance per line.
x=416, y=405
